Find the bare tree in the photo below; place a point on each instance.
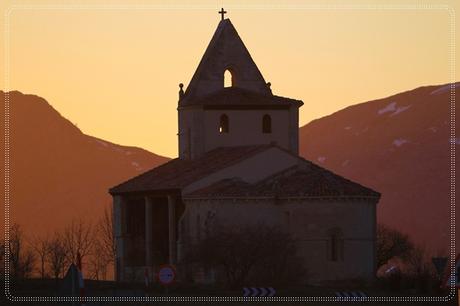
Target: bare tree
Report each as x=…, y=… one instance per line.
x=28, y=262
x=41, y=246
x=255, y=253
x=15, y=245
x=97, y=264
x=420, y=270
x=22, y=260
x=77, y=239
x=106, y=235
x=390, y=244
x=103, y=245
x=56, y=255
x=418, y=262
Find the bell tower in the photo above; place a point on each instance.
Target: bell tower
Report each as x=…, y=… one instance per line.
x=228, y=102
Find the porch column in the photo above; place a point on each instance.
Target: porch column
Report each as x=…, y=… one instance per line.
x=119, y=230
x=172, y=228
x=148, y=232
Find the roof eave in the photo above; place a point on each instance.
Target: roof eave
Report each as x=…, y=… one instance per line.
x=292, y=197
x=146, y=192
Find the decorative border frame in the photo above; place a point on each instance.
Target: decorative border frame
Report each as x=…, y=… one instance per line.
x=452, y=58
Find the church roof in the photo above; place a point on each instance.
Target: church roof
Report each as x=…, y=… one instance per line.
x=178, y=173
x=306, y=180
x=310, y=180
x=239, y=97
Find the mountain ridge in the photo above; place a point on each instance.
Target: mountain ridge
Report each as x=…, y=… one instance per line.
x=56, y=170
x=399, y=146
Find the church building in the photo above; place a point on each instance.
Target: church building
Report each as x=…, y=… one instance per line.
x=239, y=161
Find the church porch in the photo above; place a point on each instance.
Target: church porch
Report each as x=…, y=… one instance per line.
x=145, y=227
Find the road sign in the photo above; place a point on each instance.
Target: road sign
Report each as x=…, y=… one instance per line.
x=258, y=291
x=453, y=279
x=166, y=275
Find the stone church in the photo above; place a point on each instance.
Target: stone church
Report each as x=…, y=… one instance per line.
x=238, y=160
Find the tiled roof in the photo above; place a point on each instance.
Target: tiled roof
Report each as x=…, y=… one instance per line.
x=306, y=180
x=178, y=173
x=235, y=96
x=309, y=180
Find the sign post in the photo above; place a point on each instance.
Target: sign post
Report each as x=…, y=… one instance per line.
x=453, y=279
x=167, y=276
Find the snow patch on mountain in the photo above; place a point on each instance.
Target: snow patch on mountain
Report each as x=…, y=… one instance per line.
x=136, y=165
x=446, y=88
x=393, y=109
x=400, y=110
x=399, y=142
x=455, y=141
x=389, y=108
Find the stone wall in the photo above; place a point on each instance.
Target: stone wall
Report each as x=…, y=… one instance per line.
x=199, y=130
x=309, y=221
x=246, y=128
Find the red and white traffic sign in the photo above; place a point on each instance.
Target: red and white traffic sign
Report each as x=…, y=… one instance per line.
x=166, y=275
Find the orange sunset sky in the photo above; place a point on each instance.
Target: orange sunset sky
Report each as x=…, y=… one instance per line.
x=113, y=67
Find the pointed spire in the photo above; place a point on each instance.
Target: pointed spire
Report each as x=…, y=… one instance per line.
x=226, y=51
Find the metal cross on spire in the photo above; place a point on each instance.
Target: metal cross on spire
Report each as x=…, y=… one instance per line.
x=222, y=13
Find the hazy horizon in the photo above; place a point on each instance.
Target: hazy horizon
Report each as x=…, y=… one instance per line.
x=155, y=152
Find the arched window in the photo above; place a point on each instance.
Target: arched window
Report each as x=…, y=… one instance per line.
x=224, y=124
x=335, y=245
x=228, y=78
x=266, y=124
